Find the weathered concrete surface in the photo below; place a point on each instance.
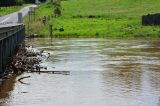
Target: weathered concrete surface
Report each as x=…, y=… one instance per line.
x=7, y=28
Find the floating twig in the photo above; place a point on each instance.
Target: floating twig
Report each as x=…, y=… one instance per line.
x=53, y=72
x=20, y=79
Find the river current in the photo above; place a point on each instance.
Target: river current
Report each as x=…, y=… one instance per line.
x=103, y=72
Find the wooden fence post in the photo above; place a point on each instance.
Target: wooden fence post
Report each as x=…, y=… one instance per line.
x=50, y=30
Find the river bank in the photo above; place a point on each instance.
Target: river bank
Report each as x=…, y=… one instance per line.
x=104, y=18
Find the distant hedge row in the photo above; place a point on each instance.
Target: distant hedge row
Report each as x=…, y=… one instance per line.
x=16, y=2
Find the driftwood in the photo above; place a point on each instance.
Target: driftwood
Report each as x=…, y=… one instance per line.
x=27, y=59
x=20, y=80
x=53, y=72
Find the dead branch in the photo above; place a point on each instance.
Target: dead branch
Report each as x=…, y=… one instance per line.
x=27, y=59
x=53, y=72
x=20, y=79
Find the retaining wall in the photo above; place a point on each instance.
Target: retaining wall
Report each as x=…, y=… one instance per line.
x=10, y=37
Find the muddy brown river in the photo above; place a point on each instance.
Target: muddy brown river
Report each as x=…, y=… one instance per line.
x=103, y=72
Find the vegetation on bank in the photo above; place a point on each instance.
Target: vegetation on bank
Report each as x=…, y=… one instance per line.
x=10, y=6
x=96, y=18
x=8, y=10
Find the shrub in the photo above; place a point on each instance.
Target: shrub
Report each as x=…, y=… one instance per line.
x=19, y=2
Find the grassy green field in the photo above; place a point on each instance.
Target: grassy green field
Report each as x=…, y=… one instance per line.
x=110, y=8
x=99, y=18
x=8, y=10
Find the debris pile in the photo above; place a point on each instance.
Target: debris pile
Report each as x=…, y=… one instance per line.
x=27, y=59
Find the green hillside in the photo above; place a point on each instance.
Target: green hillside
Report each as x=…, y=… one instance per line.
x=110, y=8
x=101, y=18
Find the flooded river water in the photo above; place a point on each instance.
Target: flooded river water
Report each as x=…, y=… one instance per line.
x=102, y=73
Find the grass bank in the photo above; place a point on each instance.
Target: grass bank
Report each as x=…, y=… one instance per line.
x=11, y=9
x=98, y=18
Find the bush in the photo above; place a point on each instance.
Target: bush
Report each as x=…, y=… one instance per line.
x=19, y=2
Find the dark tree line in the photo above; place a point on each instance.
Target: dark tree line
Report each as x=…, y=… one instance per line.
x=7, y=2
x=16, y=2
x=33, y=1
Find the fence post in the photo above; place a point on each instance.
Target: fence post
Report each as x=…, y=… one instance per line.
x=50, y=30
x=19, y=17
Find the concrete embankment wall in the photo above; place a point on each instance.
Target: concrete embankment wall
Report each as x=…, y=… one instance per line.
x=10, y=37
